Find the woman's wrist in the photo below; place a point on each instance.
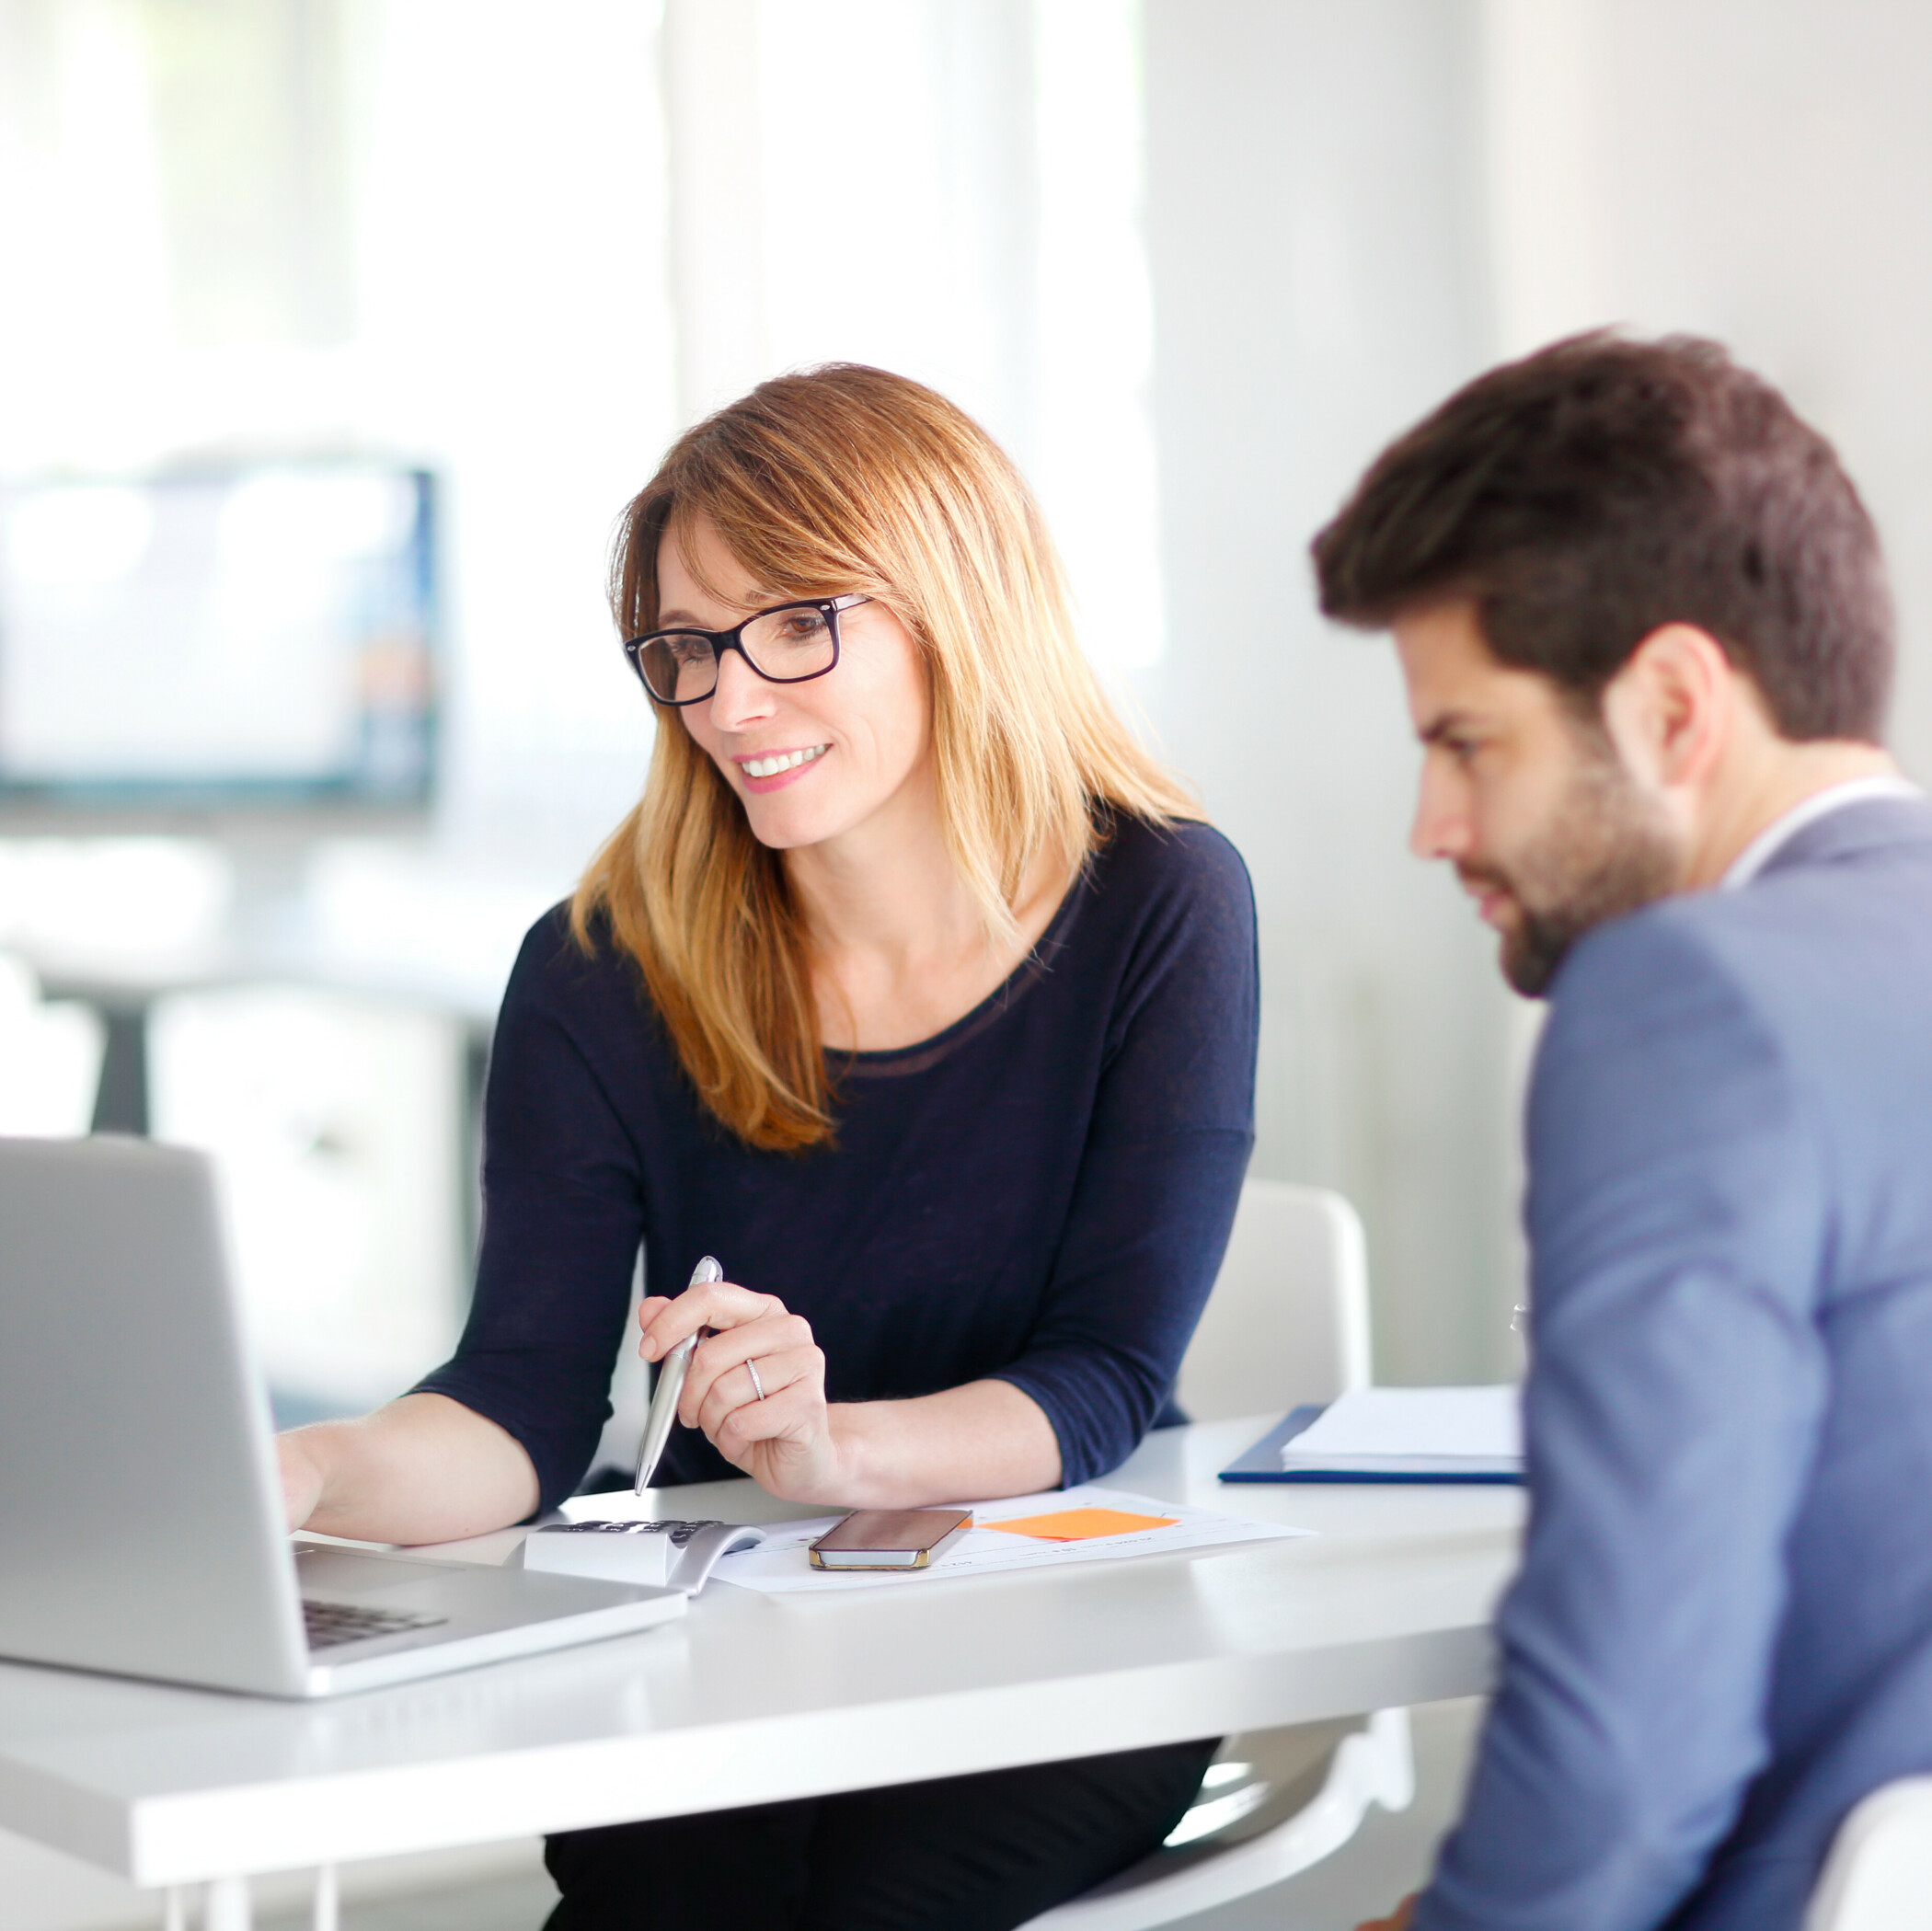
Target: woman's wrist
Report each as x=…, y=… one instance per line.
x=305, y=1477
x=334, y=1457
x=985, y=1439
x=851, y=1477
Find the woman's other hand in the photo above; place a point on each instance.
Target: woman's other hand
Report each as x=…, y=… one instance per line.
x=301, y=1479
x=423, y=1470
x=783, y=1437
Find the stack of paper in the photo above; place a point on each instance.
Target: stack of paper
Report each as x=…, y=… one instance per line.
x=1395, y=1435
x=1416, y=1422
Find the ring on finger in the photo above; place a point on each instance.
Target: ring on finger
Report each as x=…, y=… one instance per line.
x=750, y=1368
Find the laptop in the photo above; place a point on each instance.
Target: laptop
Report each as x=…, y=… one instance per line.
x=141, y=1529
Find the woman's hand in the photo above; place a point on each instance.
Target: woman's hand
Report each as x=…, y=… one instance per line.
x=985, y=1438
x=783, y=1438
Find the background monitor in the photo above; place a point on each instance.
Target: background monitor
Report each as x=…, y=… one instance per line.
x=254, y=641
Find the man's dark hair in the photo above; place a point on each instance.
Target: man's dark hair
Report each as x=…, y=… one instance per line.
x=1602, y=487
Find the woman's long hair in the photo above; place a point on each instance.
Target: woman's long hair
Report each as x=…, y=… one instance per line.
x=839, y=480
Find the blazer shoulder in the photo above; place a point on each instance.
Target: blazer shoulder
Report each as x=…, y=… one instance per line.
x=1670, y=986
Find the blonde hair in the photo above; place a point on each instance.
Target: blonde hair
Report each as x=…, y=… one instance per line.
x=836, y=480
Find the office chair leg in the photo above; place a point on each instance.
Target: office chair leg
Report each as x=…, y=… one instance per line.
x=227, y=1908
x=328, y=1911
x=1391, y=1765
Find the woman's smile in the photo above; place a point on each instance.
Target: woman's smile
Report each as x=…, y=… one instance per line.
x=771, y=770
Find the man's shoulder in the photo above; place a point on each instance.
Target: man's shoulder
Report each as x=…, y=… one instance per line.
x=1890, y=830
x=1807, y=993
x=1855, y=896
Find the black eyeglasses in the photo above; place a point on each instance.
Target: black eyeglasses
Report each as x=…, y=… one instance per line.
x=790, y=643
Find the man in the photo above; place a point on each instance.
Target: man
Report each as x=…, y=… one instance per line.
x=1644, y=626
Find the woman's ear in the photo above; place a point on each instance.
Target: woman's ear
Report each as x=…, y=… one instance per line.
x=1671, y=709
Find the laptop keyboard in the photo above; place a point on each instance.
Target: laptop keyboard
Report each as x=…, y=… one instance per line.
x=328, y=1623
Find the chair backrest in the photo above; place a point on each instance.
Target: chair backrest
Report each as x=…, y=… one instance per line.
x=1879, y=1876
x=1288, y=1321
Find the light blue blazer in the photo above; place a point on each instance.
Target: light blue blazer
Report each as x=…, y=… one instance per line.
x=1721, y=1636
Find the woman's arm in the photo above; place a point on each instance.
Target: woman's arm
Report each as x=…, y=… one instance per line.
x=983, y=1439
x=1166, y=1147
x=562, y=1213
x=422, y=1469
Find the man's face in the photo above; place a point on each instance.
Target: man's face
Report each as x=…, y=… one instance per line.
x=1545, y=827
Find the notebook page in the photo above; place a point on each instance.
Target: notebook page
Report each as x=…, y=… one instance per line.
x=1467, y=1422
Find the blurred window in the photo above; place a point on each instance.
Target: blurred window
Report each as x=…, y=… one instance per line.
x=252, y=145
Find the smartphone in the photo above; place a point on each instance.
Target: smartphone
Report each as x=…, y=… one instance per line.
x=889, y=1538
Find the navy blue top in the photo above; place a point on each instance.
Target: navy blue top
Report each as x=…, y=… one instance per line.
x=1039, y=1194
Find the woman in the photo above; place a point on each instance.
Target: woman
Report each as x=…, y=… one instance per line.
x=911, y=989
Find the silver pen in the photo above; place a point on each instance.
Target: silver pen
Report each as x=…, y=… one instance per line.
x=671, y=1370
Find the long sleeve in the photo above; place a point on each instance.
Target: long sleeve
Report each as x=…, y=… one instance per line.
x=1159, y=1178
x=563, y=1212
x=1678, y=1223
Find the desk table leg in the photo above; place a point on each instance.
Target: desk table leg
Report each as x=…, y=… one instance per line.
x=174, y=1910
x=121, y=1102
x=227, y=1908
x=327, y=1900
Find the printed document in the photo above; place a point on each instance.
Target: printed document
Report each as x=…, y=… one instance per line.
x=1069, y=1525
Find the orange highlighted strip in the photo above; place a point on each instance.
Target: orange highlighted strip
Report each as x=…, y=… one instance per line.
x=1081, y=1525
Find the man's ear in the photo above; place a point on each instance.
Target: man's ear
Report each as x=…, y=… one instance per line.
x=1670, y=710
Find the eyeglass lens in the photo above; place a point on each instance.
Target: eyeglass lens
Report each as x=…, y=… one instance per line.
x=783, y=645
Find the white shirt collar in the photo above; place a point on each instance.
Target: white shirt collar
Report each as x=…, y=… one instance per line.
x=1762, y=849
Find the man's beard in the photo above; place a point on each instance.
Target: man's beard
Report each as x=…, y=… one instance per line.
x=1608, y=850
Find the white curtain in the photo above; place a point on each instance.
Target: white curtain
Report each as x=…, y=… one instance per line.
x=527, y=243
x=950, y=189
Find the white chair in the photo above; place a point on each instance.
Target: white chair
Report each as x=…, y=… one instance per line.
x=1879, y=1875
x=1287, y=1322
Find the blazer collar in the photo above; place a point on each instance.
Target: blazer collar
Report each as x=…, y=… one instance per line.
x=1871, y=825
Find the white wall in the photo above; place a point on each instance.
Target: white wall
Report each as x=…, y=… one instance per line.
x=1351, y=209
x=946, y=187
x=1316, y=238
x=1758, y=170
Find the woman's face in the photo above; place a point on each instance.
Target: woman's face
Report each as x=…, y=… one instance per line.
x=865, y=728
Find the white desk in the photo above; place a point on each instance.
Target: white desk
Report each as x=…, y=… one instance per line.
x=750, y=1698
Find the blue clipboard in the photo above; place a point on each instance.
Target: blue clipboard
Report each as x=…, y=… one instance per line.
x=1263, y=1462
